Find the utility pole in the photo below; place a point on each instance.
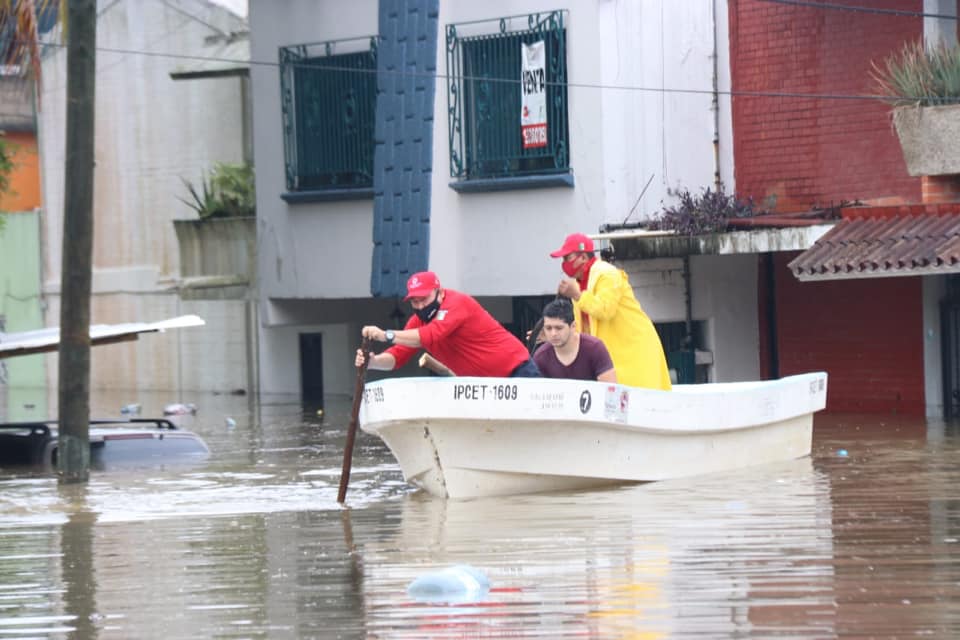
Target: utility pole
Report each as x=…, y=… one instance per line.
x=73, y=448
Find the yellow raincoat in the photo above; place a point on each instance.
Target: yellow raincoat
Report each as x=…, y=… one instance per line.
x=616, y=317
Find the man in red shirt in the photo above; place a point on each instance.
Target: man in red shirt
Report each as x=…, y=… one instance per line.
x=455, y=330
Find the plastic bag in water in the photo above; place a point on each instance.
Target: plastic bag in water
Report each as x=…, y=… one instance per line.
x=460, y=583
x=178, y=409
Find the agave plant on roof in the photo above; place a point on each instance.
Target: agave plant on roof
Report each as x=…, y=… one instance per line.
x=920, y=76
x=923, y=85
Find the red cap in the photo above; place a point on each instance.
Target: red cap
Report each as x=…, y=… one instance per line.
x=574, y=243
x=421, y=284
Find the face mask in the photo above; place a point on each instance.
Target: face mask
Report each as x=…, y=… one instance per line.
x=427, y=313
x=571, y=267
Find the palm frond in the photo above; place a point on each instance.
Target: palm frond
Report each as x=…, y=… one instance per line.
x=20, y=26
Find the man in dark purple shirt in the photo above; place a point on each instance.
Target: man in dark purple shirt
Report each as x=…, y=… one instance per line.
x=567, y=353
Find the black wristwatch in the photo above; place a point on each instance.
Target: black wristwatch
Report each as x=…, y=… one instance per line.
x=389, y=336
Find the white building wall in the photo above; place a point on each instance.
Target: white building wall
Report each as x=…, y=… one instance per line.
x=623, y=129
x=301, y=245
x=151, y=132
x=723, y=295
x=479, y=242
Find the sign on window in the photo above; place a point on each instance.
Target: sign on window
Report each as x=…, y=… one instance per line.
x=533, y=108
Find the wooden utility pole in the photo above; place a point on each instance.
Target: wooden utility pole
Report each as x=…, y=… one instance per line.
x=73, y=449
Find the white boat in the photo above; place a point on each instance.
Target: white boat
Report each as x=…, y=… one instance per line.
x=474, y=437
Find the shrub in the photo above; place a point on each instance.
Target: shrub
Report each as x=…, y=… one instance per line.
x=227, y=192
x=918, y=76
x=707, y=212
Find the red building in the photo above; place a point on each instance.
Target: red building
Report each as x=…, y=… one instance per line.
x=865, y=303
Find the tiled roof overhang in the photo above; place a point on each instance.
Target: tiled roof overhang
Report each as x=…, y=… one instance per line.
x=910, y=245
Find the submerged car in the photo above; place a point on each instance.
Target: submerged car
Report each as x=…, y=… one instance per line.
x=114, y=443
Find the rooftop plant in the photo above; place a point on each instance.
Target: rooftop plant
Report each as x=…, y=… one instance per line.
x=706, y=212
x=920, y=76
x=226, y=193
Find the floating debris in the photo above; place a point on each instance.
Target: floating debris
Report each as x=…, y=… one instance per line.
x=177, y=409
x=460, y=583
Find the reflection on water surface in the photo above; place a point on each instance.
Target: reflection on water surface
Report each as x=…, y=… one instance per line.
x=251, y=543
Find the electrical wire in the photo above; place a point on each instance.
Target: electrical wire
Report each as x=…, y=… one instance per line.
x=466, y=78
x=861, y=9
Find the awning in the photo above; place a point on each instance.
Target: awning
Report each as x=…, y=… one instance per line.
x=883, y=248
x=646, y=245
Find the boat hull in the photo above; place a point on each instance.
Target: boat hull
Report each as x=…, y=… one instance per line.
x=474, y=437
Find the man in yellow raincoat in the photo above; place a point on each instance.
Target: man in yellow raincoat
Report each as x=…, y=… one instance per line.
x=605, y=307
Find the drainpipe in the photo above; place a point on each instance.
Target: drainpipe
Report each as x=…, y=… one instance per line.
x=715, y=103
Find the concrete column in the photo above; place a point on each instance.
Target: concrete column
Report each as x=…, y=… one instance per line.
x=940, y=30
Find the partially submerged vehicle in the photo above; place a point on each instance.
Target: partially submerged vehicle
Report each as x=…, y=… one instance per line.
x=114, y=444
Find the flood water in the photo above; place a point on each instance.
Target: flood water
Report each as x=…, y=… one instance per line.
x=252, y=543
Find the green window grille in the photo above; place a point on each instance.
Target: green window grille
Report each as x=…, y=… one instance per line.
x=328, y=101
x=484, y=97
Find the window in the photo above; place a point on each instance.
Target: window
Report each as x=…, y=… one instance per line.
x=329, y=101
x=685, y=353
x=485, y=97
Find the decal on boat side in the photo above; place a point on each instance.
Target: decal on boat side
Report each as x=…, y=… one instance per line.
x=373, y=395
x=615, y=404
x=484, y=391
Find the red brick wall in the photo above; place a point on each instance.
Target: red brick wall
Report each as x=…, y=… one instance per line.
x=866, y=334
x=806, y=151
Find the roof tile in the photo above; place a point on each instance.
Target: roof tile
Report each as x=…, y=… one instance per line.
x=896, y=246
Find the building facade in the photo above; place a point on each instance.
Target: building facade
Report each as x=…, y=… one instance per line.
x=388, y=140
x=153, y=134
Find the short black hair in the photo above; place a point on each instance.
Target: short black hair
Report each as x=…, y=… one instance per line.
x=560, y=309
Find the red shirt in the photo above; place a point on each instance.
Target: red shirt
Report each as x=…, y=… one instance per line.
x=467, y=339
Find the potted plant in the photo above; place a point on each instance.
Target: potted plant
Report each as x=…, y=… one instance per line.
x=227, y=192
x=706, y=212
x=923, y=85
x=220, y=247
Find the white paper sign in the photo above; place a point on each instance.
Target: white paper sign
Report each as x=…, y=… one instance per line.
x=533, y=95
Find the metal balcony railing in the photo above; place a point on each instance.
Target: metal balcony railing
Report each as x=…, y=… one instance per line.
x=484, y=97
x=328, y=94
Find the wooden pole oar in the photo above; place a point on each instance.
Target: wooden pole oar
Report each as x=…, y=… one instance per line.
x=427, y=361
x=354, y=418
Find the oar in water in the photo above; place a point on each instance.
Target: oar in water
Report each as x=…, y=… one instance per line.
x=532, y=341
x=354, y=418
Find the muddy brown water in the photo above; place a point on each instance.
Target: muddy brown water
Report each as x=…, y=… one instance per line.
x=252, y=544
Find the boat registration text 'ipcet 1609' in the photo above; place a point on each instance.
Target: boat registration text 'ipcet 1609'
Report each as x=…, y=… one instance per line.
x=484, y=391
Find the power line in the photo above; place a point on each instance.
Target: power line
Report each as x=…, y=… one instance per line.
x=860, y=9
x=447, y=77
